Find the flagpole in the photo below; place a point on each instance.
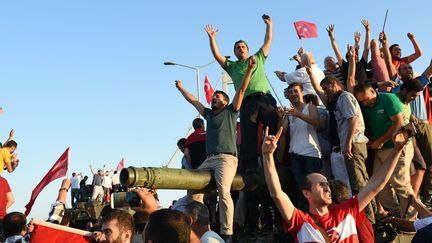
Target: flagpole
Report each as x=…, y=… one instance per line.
x=385, y=20
x=274, y=91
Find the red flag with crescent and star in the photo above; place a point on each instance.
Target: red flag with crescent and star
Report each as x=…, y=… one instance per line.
x=305, y=29
x=208, y=90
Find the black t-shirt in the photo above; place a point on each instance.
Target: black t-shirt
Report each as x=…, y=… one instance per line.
x=360, y=74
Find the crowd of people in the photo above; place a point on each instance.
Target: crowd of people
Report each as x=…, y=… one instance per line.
x=353, y=151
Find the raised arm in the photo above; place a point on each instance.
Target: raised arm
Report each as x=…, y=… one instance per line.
x=387, y=56
x=91, y=169
x=351, y=82
x=379, y=179
x=428, y=71
x=190, y=98
x=212, y=32
x=238, y=97
x=357, y=38
x=281, y=199
x=316, y=86
x=11, y=136
x=366, y=46
x=268, y=35
x=417, y=50
x=339, y=57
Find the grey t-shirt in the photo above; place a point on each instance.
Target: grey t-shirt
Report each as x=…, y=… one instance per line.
x=98, y=180
x=221, y=130
x=348, y=107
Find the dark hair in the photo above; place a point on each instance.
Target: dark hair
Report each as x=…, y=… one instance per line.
x=14, y=223
x=11, y=143
x=198, y=212
x=292, y=85
x=329, y=79
x=393, y=46
x=226, y=97
x=73, y=174
x=124, y=220
x=412, y=85
x=311, y=98
x=241, y=41
x=362, y=87
x=166, y=225
x=140, y=219
x=198, y=123
x=181, y=141
x=339, y=191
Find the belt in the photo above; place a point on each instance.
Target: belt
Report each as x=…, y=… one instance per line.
x=336, y=149
x=228, y=153
x=257, y=94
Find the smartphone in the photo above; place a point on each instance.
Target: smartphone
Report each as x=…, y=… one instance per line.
x=409, y=129
x=265, y=16
x=125, y=199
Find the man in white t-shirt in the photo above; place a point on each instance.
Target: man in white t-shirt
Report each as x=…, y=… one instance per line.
x=75, y=187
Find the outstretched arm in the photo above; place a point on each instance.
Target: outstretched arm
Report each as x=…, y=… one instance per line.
x=379, y=179
x=238, y=97
x=351, y=82
x=316, y=86
x=330, y=31
x=387, y=56
x=268, y=35
x=281, y=199
x=91, y=169
x=190, y=98
x=11, y=136
x=212, y=32
x=367, y=39
x=428, y=70
x=417, y=50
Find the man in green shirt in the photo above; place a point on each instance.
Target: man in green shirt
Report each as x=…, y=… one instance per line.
x=259, y=106
x=383, y=113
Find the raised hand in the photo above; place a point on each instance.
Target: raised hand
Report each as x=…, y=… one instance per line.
x=267, y=19
x=252, y=62
x=11, y=134
x=357, y=37
x=410, y=36
x=351, y=51
x=366, y=25
x=178, y=84
x=211, y=31
x=383, y=37
x=270, y=141
x=330, y=31
x=400, y=138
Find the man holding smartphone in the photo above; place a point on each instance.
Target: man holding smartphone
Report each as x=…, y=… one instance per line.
x=259, y=106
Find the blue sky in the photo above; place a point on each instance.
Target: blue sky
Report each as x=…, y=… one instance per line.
x=90, y=74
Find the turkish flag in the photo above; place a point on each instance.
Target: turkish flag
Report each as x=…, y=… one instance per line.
x=208, y=90
x=58, y=170
x=49, y=232
x=120, y=165
x=305, y=29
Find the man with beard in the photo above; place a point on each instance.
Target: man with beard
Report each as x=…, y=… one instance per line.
x=321, y=223
x=221, y=145
x=118, y=227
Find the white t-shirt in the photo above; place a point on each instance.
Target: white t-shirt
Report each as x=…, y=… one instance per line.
x=211, y=237
x=75, y=182
x=107, y=182
x=116, y=179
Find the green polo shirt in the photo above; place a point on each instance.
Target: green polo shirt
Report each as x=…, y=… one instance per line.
x=258, y=81
x=378, y=117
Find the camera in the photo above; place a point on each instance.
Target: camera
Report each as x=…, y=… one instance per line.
x=409, y=129
x=125, y=199
x=265, y=16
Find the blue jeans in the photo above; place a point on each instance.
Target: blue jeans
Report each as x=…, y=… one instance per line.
x=301, y=167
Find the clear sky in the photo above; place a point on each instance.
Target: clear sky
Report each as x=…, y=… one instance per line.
x=90, y=74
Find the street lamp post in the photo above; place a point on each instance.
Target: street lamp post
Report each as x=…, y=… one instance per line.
x=197, y=70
